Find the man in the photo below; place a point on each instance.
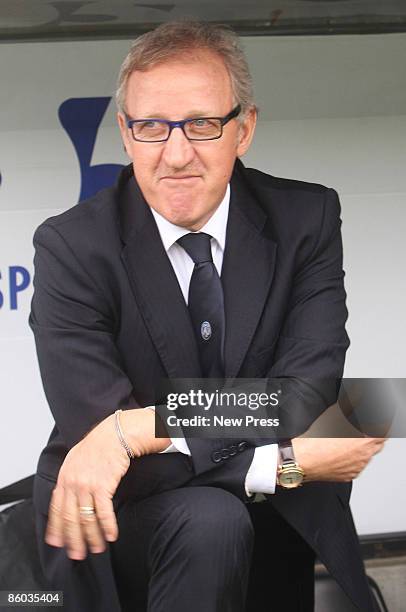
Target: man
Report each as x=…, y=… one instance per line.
x=118, y=287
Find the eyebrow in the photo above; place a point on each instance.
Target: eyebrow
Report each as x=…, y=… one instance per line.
x=191, y=115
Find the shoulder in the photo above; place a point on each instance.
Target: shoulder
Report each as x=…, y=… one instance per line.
x=83, y=246
x=278, y=192
x=91, y=224
x=294, y=206
x=86, y=217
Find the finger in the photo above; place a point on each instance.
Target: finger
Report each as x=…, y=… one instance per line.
x=54, y=530
x=106, y=516
x=90, y=524
x=73, y=536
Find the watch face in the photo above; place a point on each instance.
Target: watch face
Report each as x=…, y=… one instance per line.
x=290, y=478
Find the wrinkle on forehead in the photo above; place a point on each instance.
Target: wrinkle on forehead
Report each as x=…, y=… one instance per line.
x=184, y=84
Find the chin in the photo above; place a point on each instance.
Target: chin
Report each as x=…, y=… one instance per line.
x=182, y=219
x=179, y=212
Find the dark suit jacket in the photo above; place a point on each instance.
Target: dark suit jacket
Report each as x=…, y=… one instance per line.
x=110, y=321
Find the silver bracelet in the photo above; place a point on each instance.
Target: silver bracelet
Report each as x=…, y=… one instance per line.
x=127, y=447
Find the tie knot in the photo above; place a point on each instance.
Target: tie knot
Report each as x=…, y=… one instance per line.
x=197, y=246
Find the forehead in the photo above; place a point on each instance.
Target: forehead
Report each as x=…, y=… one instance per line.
x=183, y=84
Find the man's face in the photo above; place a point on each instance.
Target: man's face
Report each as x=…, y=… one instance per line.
x=185, y=180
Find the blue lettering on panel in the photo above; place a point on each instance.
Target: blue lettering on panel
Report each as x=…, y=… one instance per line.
x=81, y=118
x=19, y=279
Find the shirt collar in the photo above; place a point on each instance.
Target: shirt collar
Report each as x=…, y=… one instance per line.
x=216, y=226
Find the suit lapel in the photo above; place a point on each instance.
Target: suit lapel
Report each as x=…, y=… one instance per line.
x=155, y=286
x=247, y=272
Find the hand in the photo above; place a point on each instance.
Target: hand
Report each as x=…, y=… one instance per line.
x=89, y=476
x=335, y=459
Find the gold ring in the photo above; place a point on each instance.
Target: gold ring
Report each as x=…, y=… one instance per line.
x=87, y=510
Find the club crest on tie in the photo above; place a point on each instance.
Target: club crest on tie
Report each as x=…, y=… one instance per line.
x=205, y=330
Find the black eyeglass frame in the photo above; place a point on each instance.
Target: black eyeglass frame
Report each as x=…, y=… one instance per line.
x=181, y=124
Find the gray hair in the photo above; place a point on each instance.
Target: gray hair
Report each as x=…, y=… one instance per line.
x=176, y=38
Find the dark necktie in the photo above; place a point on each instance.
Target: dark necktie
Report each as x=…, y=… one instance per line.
x=206, y=304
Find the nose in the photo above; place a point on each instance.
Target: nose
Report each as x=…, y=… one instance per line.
x=178, y=151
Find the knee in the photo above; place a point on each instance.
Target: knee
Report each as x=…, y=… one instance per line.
x=208, y=517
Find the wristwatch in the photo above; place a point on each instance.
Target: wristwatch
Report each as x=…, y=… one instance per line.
x=289, y=475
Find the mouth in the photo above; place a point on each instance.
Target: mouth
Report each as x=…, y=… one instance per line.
x=181, y=177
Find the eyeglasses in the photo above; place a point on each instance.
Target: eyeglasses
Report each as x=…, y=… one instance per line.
x=199, y=128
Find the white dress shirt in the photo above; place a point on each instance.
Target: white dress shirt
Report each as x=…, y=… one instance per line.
x=261, y=476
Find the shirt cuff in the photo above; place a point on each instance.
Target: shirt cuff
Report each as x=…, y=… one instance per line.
x=261, y=476
x=178, y=445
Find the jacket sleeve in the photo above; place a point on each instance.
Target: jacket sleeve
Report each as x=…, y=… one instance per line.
x=310, y=354
x=313, y=340
x=73, y=328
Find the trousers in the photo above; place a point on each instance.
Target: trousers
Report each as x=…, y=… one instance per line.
x=202, y=549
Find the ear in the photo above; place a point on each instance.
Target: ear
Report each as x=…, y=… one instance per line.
x=122, y=123
x=246, y=131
